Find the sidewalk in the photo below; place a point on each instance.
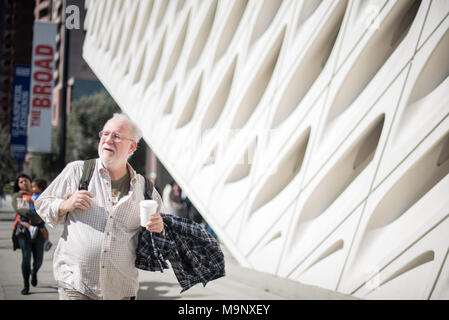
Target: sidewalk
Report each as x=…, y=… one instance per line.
x=238, y=284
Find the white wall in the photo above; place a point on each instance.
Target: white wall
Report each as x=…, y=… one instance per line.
x=312, y=135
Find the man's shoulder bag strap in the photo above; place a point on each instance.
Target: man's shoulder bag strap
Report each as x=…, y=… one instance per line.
x=148, y=189
x=88, y=170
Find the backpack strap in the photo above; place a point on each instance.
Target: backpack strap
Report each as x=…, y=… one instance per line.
x=148, y=189
x=88, y=170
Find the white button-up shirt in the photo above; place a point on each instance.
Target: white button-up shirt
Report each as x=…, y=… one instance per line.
x=97, y=249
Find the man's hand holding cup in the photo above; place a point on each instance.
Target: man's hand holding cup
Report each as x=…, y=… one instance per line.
x=149, y=219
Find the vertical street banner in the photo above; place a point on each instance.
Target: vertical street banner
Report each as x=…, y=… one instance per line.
x=19, y=114
x=41, y=99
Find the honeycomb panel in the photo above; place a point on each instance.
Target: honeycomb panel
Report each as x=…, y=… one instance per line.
x=313, y=136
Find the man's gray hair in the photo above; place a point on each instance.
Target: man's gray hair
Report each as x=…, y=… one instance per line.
x=136, y=132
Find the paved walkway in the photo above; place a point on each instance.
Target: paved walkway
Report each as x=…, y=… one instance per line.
x=238, y=284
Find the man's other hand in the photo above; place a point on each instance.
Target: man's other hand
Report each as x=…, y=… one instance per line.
x=81, y=199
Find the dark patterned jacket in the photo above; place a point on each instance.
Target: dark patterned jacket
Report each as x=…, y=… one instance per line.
x=194, y=254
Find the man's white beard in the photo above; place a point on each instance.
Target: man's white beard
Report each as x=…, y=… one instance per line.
x=108, y=163
x=114, y=162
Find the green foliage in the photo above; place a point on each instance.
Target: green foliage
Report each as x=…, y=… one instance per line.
x=45, y=165
x=8, y=169
x=87, y=117
x=137, y=160
x=8, y=189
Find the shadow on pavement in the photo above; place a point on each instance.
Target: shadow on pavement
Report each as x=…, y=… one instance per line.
x=156, y=291
x=161, y=291
x=41, y=292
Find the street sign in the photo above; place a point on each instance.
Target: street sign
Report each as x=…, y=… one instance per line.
x=44, y=48
x=19, y=114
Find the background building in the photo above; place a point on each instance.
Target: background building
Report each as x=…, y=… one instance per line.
x=16, y=39
x=312, y=135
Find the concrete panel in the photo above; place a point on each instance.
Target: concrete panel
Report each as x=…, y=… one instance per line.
x=313, y=136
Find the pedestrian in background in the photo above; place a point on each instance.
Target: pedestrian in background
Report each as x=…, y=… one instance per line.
x=177, y=201
x=166, y=197
x=37, y=187
x=20, y=203
x=153, y=178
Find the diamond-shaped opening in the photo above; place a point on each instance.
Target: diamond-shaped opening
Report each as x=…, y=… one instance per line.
x=433, y=78
x=191, y=105
x=218, y=103
x=243, y=166
x=311, y=66
x=156, y=61
x=265, y=18
x=285, y=172
x=177, y=49
x=146, y=18
x=230, y=28
x=203, y=36
x=259, y=83
x=339, y=178
x=373, y=56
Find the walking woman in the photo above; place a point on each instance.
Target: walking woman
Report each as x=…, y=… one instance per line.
x=30, y=243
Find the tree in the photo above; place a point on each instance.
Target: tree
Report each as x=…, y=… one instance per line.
x=45, y=165
x=87, y=117
x=8, y=169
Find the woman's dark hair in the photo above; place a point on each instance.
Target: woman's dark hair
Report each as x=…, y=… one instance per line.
x=41, y=183
x=16, y=183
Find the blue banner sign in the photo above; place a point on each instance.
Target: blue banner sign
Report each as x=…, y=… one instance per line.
x=19, y=114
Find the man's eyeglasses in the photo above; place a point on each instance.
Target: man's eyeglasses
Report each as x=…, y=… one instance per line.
x=115, y=136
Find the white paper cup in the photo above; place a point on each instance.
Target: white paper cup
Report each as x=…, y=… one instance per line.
x=147, y=208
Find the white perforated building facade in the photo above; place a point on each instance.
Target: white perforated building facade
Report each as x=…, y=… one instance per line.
x=312, y=135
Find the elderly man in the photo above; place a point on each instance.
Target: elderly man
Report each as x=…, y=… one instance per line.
x=95, y=255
